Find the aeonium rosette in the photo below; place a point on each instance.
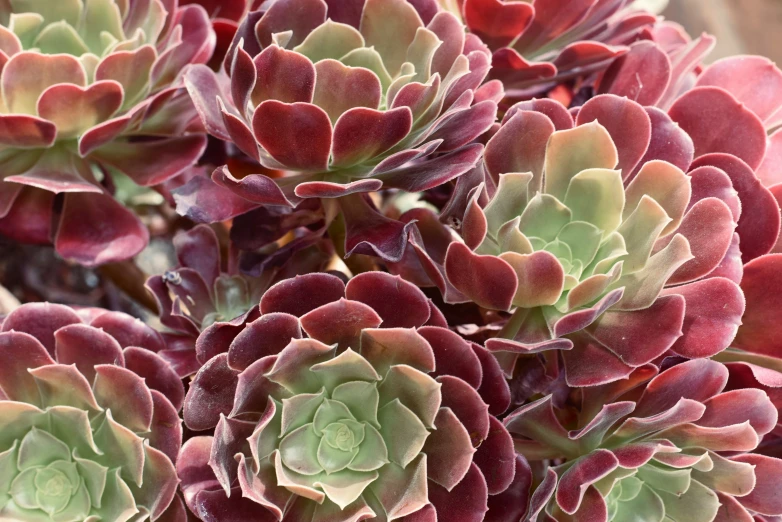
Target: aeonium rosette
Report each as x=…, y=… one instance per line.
x=598, y=242
x=346, y=402
x=89, y=428
x=539, y=44
x=92, y=108
x=667, y=446
x=342, y=98
x=199, y=295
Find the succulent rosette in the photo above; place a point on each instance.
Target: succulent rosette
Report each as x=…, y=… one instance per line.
x=340, y=98
x=539, y=44
x=673, y=446
x=199, y=296
x=89, y=422
x=345, y=403
x=598, y=242
x=91, y=103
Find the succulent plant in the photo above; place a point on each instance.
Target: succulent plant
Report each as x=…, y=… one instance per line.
x=348, y=403
x=540, y=44
x=672, y=446
x=198, y=295
x=89, y=422
x=92, y=101
x=341, y=98
x=598, y=242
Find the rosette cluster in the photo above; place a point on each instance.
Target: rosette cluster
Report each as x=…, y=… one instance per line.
x=347, y=403
x=667, y=446
x=89, y=418
x=91, y=108
x=348, y=97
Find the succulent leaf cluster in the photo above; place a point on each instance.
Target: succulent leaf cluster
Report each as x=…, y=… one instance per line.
x=91, y=102
x=430, y=261
x=89, y=426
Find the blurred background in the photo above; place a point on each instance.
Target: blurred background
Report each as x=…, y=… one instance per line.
x=741, y=26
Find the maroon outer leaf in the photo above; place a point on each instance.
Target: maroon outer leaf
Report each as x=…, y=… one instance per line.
x=496, y=458
x=340, y=322
x=215, y=339
x=769, y=172
x=41, y=320
x=83, y=237
x=449, y=452
x=23, y=131
x=157, y=373
x=511, y=504
x=464, y=126
x=467, y=502
x=281, y=75
x=368, y=232
x=642, y=74
x=128, y=331
x=507, y=152
x=467, y=405
x=450, y=30
x=256, y=188
x=556, y=112
x=325, y=189
x=19, y=352
x=397, y=302
x=339, y=88
x=362, y=133
x=497, y=23
x=759, y=224
x=698, y=379
x=712, y=316
x=65, y=104
x=267, y=335
x=298, y=135
x=487, y=280
x=86, y=347
x=765, y=497
x=204, y=89
x=668, y=142
x=494, y=388
x=211, y=393
x=204, y=201
x=153, y=162
x=230, y=438
x=453, y=355
x=708, y=227
x=432, y=172
x=302, y=294
x=299, y=16
x=762, y=287
x=709, y=182
x=764, y=98
x=590, y=364
x=584, y=472
x=641, y=336
x=626, y=121
x=717, y=122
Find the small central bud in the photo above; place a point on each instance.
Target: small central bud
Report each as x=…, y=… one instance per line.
x=55, y=486
x=340, y=436
x=52, y=482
